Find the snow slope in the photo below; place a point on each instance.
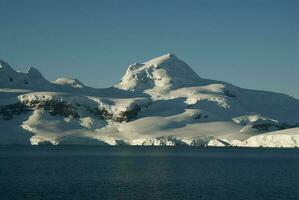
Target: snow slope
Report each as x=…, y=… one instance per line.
x=158, y=102
x=285, y=138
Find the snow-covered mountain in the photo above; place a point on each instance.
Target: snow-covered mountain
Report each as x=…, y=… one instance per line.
x=163, y=73
x=158, y=102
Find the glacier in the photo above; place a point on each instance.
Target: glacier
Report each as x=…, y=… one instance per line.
x=160, y=102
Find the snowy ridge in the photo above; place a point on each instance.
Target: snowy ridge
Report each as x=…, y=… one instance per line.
x=12, y=79
x=158, y=102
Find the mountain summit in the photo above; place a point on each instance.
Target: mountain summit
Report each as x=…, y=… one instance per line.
x=164, y=72
x=9, y=78
x=158, y=102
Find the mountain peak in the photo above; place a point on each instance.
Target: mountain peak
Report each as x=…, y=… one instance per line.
x=167, y=56
x=5, y=67
x=10, y=78
x=34, y=73
x=75, y=83
x=164, y=58
x=165, y=72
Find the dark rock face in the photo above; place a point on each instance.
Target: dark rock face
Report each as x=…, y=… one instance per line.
x=229, y=94
x=54, y=107
x=98, y=113
x=268, y=126
x=62, y=109
x=132, y=114
x=65, y=109
x=197, y=116
x=125, y=116
x=7, y=112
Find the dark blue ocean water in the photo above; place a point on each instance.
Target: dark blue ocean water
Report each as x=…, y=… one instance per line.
x=96, y=172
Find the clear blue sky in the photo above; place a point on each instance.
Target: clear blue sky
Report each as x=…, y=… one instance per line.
x=250, y=43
